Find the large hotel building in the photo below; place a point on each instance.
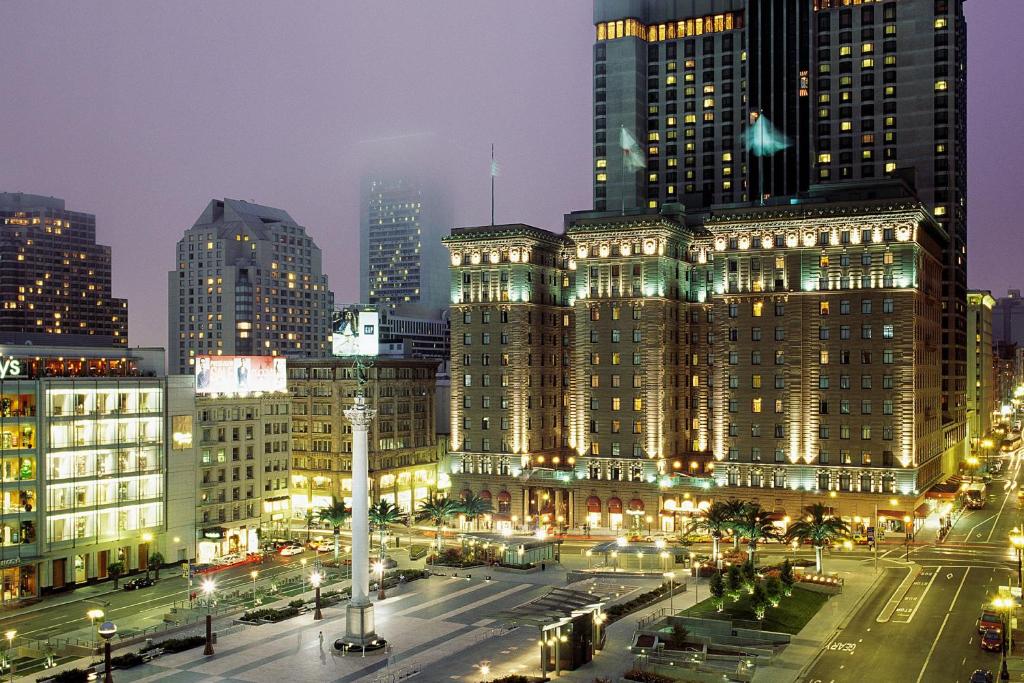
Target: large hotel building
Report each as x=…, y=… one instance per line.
x=738, y=100
x=646, y=362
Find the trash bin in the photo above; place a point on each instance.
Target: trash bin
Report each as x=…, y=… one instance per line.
x=213, y=638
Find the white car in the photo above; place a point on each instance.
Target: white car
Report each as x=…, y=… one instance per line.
x=290, y=550
x=228, y=559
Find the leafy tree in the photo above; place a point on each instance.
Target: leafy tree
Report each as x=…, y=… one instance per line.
x=114, y=571
x=438, y=511
x=787, y=578
x=820, y=528
x=756, y=525
x=156, y=559
x=734, y=581
x=717, y=587
x=382, y=516
x=336, y=514
x=678, y=637
x=474, y=507
x=773, y=589
x=759, y=601
x=309, y=518
x=749, y=576
x=716, y=520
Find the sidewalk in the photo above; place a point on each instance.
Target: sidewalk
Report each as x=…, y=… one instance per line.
x=800, y=654
x=92, y=592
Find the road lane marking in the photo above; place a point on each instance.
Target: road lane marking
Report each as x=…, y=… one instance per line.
x=898, y=594
x=1006, y=497
x=924, y=593
x=984, y=521
x=945, y=619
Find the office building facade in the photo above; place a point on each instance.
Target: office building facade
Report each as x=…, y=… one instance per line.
x=402, y=261
x=244, y=448
x=249, y=282
x=981, y=396
x=739, y=100
x=633, y=369
x=403, y=449
x=54, y=277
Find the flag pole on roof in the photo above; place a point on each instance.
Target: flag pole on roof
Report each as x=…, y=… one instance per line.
x=494, y=173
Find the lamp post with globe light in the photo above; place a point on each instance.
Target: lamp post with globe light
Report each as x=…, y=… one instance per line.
x=94, y=616
x=315, y=579
x=107, y=630
x=1017, y=539
x=209, y=585
x=9, y=635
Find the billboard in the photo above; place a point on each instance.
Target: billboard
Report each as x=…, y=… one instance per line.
x=356, y=332
x=240, y=374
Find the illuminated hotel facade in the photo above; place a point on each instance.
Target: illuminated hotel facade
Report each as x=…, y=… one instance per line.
x=638, y=366
x=84, y=465
x=403, y=447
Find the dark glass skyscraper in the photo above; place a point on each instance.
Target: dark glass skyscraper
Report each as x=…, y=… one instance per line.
x=54, y=277
x=736, y=101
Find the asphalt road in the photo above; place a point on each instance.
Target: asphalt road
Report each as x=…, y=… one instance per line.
x=928, y=634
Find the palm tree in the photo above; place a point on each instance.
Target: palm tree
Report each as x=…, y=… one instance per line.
x=715, y=520
x=335, y=514
x=438, y=511
x=820, y=528
x=735, y=508
x=382, y=516
x=757, y=526
x=474, y=507
x=155, y=560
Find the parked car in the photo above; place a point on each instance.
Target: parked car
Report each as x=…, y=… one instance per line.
x=288, y=550
x=981, y=676
x=230, y=558
x=141, y=582
x=992, y=641
x=990, y=621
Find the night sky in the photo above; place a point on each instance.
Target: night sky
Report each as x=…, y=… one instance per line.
x=143, y=111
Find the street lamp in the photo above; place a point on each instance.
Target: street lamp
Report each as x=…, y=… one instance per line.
x=640, y=559
x=1017, y=539
x=315, y=579
x=209, y=585
x=107, y=630
x=378, y=568
x=1007, y=604
x=696, y=584
x=664, y=559
x=253, y=574
x=615, y=560
x=302, y=571
x=9, y=635
x=671, y=576
x=906, y=534
x=590, y=561
x=972, y=462
x=94, y=615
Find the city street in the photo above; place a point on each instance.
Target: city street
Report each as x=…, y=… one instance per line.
x=928, y=632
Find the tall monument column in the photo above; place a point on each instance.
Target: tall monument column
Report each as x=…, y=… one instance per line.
x=359, y=626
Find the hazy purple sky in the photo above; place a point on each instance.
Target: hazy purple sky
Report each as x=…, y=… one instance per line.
x=142, y=111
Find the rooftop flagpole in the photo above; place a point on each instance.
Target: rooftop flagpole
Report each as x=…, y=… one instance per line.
x=494, y=172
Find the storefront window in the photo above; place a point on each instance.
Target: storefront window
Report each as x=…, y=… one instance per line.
x=17, y=583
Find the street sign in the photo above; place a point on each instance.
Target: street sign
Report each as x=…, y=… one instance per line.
x=871, y=533
x=184, y=570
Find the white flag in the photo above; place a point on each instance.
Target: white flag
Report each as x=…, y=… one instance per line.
x=494, y=168
x=632, y=155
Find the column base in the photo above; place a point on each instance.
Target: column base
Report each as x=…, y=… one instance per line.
x=360, y=635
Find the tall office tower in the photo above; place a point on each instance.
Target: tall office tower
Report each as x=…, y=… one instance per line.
x=249, y=281
x=1008, y=319
x=981, y=397
x=402, y=221
x=744, y=100
x=54, y=277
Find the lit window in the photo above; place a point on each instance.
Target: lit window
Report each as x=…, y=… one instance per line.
x=941, y=86
x=602, y=177
x=941, y=23
x=756, y=405
x=602, y=163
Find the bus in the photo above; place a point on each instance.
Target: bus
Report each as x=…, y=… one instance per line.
x=1011, y=443
x=975, y=495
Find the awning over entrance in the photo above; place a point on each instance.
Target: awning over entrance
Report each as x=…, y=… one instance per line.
x=214, y=532
x=922, y=510
x=636, y=504
x=485, y=494
x=593, y=504
x=614, y=506
x=504, y=497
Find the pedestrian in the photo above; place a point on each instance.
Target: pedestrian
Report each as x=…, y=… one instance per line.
x=321, y=634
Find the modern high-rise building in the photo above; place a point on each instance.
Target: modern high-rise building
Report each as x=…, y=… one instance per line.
x=402, y=221
x=1008, y=319
x=54, y=277
x=722, y=101
x=249, y=281
x=640, y=365
x=981, y=397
